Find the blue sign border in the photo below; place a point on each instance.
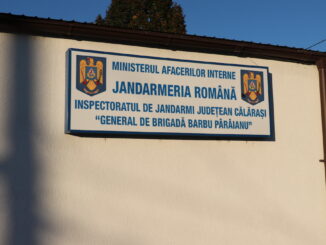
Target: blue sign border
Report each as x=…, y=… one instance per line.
x=129, y=134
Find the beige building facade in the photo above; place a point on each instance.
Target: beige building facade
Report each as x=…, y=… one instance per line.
x=58, y=188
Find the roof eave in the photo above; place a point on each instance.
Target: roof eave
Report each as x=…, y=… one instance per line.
x=92, y=32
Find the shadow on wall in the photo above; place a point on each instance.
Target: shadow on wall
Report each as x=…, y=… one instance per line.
x=20, y=169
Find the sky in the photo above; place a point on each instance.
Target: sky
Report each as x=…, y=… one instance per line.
x=292, y=23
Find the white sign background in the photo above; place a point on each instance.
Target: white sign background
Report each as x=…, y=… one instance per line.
x=104, y=120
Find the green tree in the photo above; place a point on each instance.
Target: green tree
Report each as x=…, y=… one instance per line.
x=152, y=15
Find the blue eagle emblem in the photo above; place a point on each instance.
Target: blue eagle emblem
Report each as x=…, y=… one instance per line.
x=252, y=86
x=91, y=74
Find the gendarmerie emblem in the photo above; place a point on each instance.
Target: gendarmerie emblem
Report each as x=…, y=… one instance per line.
x=252, y=86
x=91, y=75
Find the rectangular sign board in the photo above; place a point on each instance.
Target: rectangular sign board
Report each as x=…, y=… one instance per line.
x=115, y=93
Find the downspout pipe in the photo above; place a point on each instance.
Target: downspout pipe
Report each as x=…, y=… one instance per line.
x=321, y=64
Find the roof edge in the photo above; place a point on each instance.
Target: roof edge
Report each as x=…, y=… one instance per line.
x=10, y=23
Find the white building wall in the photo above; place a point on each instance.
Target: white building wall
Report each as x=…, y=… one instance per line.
x=79, y=190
